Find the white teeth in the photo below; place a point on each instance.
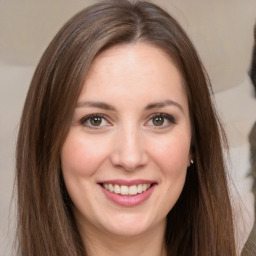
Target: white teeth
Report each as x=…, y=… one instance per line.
x=126, y=190
x=117, y=189
x=110, y=187
x=106, y=186
x=133, y=190
x=144, y=187
x=139, y=188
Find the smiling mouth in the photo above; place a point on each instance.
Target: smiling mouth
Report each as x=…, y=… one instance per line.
x=126, y=190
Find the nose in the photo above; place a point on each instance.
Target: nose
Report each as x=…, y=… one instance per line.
x=128, y=150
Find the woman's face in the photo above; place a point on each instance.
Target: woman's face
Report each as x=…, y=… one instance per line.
x=125, y=158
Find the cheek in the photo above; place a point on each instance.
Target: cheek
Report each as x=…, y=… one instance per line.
x=82, y=156
x=172, y=154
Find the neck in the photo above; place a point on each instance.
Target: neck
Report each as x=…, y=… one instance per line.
x=103, y=243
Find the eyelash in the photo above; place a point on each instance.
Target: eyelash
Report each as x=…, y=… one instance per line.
x=102, y=117
x=86, y=119
x=171, y=120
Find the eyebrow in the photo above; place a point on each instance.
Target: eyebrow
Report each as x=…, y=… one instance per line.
x=95, y=104
x=103, y=105
x=163, y=104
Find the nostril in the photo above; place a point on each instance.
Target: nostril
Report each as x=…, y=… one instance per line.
x=129, y=162
x=128, y=152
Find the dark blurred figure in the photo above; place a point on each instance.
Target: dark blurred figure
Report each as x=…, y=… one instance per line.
x=253, y=65
x=250, y=246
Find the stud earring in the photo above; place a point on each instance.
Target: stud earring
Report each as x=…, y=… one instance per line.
x=191, y=161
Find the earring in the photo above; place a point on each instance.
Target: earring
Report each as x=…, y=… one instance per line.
x=191, y=161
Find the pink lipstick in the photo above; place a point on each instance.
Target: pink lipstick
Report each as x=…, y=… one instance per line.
x=127, y=193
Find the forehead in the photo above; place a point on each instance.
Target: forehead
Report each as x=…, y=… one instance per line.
x=137, y=69
x=131, y=51
x=138, y=53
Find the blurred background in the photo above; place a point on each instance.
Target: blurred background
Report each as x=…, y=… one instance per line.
x=222, y=31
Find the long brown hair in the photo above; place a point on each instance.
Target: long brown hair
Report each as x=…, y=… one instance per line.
x=201, y=221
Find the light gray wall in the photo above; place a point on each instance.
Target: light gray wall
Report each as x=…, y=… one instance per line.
x=221, y=30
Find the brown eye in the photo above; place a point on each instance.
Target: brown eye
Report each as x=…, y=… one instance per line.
x=158, y=120
x=95, y=121
x=161, y=121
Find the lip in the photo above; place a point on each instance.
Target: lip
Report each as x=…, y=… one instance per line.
x=127, y=182
x=128, y=200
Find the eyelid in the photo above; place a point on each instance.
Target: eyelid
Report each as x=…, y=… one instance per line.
x=169, y=117
x=87, y=117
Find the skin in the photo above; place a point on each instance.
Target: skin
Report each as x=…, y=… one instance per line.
x=127, y=143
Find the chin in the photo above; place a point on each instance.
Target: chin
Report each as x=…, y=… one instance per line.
x=130, y=225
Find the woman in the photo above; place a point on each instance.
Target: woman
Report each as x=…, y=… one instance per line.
x=120, y=149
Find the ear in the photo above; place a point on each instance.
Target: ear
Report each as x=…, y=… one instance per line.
x=191, y=160
x=191, y=156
